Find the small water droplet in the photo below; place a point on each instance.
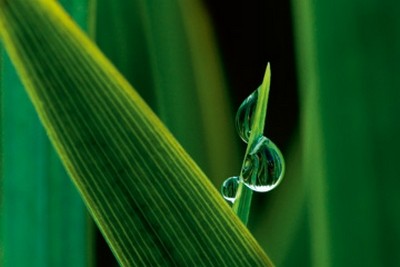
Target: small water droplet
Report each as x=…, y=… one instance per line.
x=264, y=166
x=229, y=188
x=244, y=116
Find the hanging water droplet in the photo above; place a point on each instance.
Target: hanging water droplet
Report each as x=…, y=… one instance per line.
x=244, y=116
x=229, y=188
x=264, y=166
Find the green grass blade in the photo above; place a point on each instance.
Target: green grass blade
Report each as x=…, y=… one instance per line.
x=150, y=200
x=312, y=135
x=244, y=195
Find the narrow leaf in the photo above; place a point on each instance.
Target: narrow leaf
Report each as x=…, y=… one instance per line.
x=314, y=168
x=150, y=200
x=244, y=194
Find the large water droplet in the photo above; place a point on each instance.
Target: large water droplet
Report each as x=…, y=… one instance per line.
x=264, y=166
x=244, y=116
x=229, y=188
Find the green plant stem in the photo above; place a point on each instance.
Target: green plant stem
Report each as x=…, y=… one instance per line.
x=243, y=203
x=244, y=195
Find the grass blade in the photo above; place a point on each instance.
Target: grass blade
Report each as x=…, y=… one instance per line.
x=244, y=195
x=150, y=200
x=313, y=139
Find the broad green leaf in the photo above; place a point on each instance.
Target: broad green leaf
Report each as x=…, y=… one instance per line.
x=312, y=138
x=42, y=214
x=150, y=200
x=146, y=51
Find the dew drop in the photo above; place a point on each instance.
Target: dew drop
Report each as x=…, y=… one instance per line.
x=244, y=116
x=264, y=166
x=229, y=188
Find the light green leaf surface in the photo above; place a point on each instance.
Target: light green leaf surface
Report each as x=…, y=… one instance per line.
x=314, y=168
x=150, y=200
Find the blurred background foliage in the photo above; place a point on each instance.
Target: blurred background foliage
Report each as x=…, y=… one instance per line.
x=333, y=112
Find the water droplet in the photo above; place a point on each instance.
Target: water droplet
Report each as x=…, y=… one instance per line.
x=244, y=116
x=229, y=188
x=264, y=166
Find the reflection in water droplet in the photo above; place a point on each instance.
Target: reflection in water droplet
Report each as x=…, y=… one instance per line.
x=264, y=166
x=244, y=116
x=230, y=187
